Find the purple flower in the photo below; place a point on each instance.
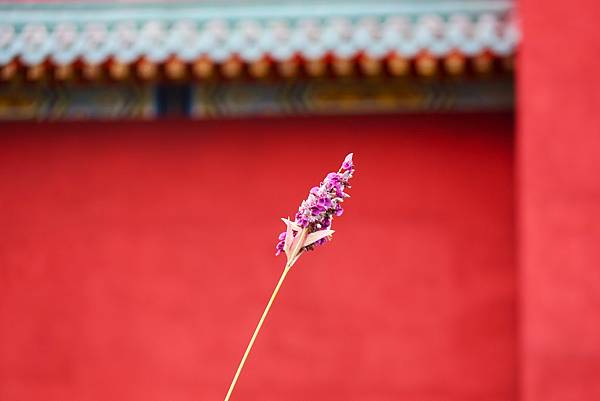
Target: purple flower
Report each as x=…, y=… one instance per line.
x=316, y=213
x=324, y=203
x=280, y=246
x=316, y=210
x=348, y=163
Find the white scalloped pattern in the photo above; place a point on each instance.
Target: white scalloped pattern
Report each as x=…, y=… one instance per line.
x=252, y=39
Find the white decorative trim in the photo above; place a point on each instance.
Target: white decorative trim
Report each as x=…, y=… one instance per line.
x=280, y=32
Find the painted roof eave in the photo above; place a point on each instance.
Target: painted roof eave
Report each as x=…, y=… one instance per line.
x=64, y=32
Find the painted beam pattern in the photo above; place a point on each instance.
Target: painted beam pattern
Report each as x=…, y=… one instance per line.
x=253, y=98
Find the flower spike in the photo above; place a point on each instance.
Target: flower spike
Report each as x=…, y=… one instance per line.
x=315, y=215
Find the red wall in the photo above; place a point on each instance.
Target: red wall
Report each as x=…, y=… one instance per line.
x=136, y=258
x=559, y=166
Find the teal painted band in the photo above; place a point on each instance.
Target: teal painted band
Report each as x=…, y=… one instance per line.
x=233, y=11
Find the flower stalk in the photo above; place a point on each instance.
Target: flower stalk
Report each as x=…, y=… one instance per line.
x=256, y=331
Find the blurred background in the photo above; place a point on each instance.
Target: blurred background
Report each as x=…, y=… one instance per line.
x=149, y=149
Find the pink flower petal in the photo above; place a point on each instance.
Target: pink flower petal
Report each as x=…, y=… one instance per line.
x=314, y=237
x=298, y=242
x=289, y=236
x=295, y=226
